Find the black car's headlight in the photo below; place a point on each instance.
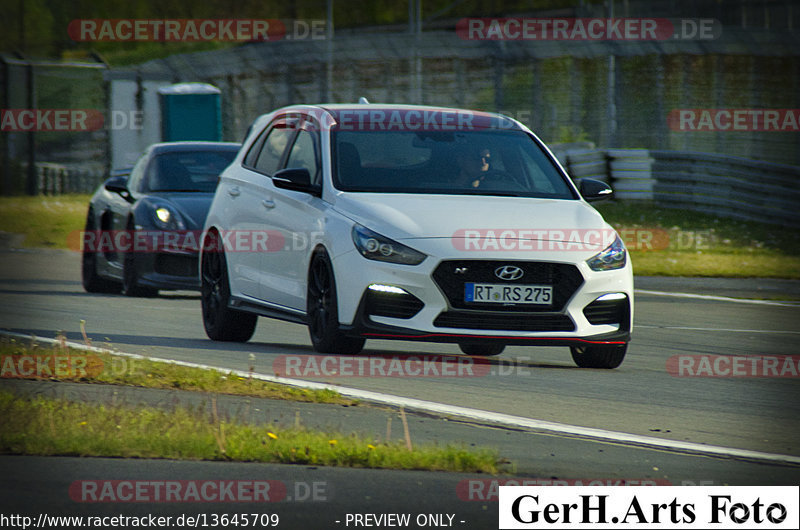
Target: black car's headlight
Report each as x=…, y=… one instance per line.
x=613, y=257
x=372, y=245
x=167, y=219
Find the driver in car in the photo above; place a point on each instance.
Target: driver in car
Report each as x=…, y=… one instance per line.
x=473, y=167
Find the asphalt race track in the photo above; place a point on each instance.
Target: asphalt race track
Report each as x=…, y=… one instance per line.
x=41, y=294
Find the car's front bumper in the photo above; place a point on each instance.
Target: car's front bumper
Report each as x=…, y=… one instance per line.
x=169, y=270
x=434, y=311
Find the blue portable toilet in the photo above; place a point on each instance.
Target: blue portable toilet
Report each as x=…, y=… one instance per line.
x=190, y=111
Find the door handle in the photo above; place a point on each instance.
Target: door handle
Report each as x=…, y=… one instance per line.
x=234, y=191
x=268, y=204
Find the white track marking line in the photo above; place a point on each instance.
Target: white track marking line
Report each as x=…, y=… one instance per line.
x=718, y=298
x=689, y=328
x=591, y=433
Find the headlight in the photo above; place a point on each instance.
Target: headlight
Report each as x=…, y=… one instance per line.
x=167, y=220
x=372, y=245
x=613, y=257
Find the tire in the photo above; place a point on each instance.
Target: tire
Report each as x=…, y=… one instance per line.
x=220, y=321
x=484, y=350
x=599, y=356
x=322, y=310
x=93, y=282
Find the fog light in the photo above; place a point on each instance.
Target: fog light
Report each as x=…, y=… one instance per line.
x=386, y=289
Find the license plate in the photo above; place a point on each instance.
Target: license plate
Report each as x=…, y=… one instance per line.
x=498, y=293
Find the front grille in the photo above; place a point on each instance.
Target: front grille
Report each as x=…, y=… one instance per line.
x=393, y=305
x=176, y=265
x=609, y=312
x=565, y=279
x=506, y=321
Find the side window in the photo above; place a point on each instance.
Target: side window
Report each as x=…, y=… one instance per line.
x=255, y=148
x=303, y=155
x=272, y=150
x=135, y=178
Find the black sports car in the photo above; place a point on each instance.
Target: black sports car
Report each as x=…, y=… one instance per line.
x=142, y=228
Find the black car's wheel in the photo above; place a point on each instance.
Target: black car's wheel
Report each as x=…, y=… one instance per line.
x=322, y=310
x=484, y=350
x=93, y=282
x=599, y=356
x=220, y=321
x=131, y=272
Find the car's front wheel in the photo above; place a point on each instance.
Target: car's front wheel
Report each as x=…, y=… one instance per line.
x=609, y=356
x=484, y=350
x=91, y=280
x=221, y=322
x=322, y=310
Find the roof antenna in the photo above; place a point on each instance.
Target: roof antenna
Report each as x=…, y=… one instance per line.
x=363, y=101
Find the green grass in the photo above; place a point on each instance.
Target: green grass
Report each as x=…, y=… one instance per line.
x=105, y=368
x=43, y=426
x=706, y=245
x=46, y=222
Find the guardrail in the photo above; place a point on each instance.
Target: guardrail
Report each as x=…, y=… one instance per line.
x=717, y=184
x=728, y=186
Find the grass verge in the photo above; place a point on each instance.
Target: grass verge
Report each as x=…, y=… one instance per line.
x=44, y=221
x=42, y=426
x=67, y=364
x=697, y=244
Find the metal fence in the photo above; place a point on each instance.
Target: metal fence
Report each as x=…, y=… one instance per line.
x=48, y=85
x=562, y=90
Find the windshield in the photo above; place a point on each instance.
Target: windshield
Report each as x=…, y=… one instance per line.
x=191, y=171
x=488, y=162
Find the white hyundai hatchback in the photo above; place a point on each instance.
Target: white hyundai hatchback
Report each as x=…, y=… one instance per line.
x=413, y=223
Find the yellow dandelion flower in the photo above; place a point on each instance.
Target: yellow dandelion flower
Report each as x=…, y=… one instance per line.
x=370, y=447
x=83, y=423
x=272, y=435
x=332, y=442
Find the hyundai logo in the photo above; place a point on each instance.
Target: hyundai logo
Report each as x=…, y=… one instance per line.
x=508, y=272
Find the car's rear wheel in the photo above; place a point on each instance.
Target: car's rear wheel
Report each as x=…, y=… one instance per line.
x=220, y=321
x=484, y=350
x=93, y=282
x=609, y=356
x=322, y=310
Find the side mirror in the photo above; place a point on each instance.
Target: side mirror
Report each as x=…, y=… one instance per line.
x=595, y=190
x=118, y=185
x=295, y=179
